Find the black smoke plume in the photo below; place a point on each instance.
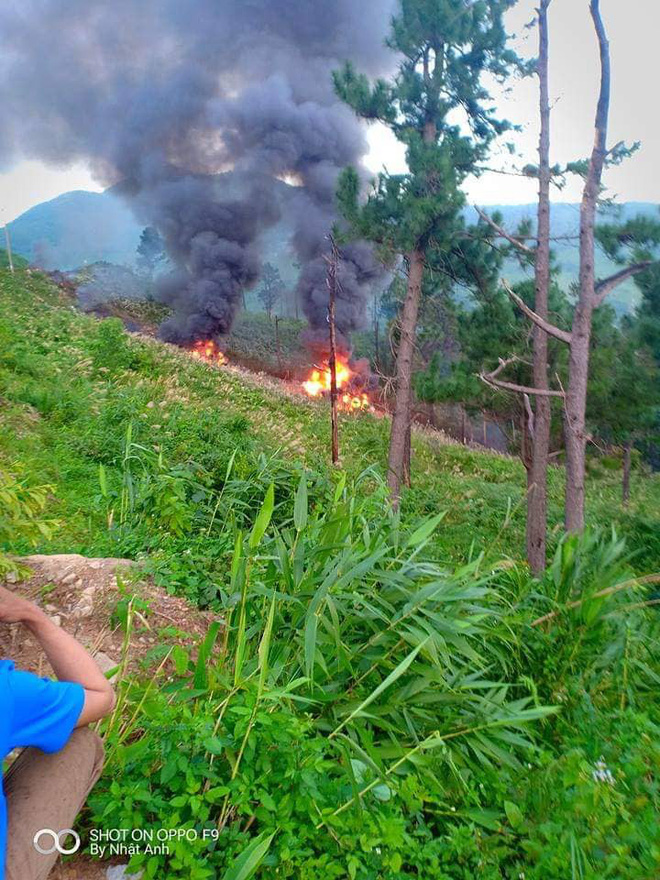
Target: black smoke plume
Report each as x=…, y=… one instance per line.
x=162, y=96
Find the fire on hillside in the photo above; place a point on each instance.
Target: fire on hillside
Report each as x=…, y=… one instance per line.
x=349, y=398
x=207, y=350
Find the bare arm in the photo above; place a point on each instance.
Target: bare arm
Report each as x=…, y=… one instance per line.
x=70, y=661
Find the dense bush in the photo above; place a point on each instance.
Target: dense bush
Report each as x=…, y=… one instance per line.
x=385, y=718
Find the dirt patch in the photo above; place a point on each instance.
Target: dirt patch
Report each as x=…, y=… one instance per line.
x=90, y=598
x=80, y=868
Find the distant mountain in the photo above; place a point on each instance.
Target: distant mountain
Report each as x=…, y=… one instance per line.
x=84, y=227
x=76, y=228
x=565, y=225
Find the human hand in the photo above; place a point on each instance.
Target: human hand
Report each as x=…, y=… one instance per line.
x=14, y=609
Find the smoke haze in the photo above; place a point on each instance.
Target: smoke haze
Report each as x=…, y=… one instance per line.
x=156, y=95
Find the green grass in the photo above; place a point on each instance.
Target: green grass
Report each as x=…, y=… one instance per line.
x=371, y=705
x=67, y=402
x=19, y=262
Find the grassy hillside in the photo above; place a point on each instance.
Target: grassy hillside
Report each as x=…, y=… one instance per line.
x=19, y=262
x=376, y=700
x=71, y=386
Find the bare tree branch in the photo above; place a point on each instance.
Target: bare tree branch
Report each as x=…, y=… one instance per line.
x=491, y=380
x=519, y=389
x=516, y=242
x=549, y=328
x=607, y=285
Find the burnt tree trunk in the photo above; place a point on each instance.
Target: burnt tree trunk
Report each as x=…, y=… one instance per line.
x=627, y=462
x=399, y=437
x=376, y=335
x=576, y=396
x=332, y=286
x=537, y=475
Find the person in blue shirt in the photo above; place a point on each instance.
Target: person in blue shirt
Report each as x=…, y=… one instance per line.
x=47, y=784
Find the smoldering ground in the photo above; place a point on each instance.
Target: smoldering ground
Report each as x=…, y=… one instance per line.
x=157, y=95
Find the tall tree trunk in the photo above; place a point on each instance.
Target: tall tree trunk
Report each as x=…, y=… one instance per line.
x=404, y=365
x=575, y=417
x=627, y=461
x=407, y=455
x=576, y=397
x=537, y=475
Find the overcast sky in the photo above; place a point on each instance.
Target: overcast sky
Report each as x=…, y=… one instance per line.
x=633, y=26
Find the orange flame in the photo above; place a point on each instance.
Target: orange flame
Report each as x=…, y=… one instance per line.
x=207, y=350
x=320, y=383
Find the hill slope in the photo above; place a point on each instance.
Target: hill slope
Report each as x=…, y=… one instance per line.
x=85, y=227
x=71, y=388
x=76, y=228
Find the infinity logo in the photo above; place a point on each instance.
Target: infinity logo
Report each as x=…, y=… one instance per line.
x=57, y=841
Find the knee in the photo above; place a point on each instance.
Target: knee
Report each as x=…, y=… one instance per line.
x=89, y=744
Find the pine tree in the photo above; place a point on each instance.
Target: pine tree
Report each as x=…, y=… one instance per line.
x=447, y=47
x=150, y=251
x=271, y=287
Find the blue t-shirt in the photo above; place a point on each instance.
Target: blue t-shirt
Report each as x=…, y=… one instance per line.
x=33, y=712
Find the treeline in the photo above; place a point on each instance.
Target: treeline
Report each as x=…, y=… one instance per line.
x=555, y=363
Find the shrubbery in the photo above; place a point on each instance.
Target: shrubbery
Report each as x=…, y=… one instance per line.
x=382, y=717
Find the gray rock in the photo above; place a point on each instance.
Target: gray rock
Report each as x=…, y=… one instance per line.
x=106, y=663
x=85, y=605
x=118, y=872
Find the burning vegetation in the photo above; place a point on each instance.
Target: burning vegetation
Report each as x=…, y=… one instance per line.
x=207, y=350
x=350, y=398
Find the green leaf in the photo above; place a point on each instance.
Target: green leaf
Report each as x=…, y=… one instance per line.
x=425, y=530
x=103, y=481
x=180, y=659
x=214, y=745
x=263, y=519
x=513, y=814
x=300, y=506
x=391, y=678
x=249, y=860
x=214, y=794
x=264, y=645
x=487, y=818
x=200, y=679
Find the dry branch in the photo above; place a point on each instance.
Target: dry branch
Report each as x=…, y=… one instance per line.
x=516, y=242
x=492, y=380
x=607, y=285
x=549, y=328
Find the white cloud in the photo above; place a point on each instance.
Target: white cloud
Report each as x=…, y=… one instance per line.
x=29, y=183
